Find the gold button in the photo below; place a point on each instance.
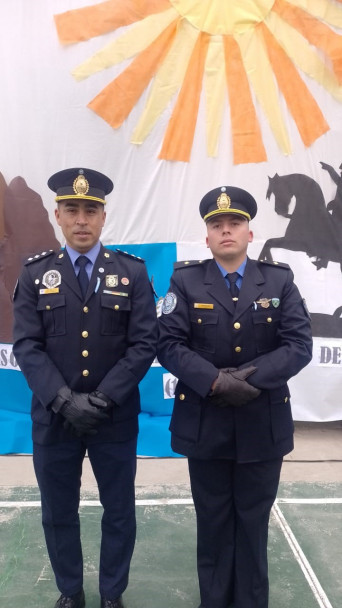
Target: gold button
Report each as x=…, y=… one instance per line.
x=48, y=307
x=182, y=397
x=85, y=372
x=186, y=262
x=84, y=334
x=116, y=307
x=237, y=325
x=85, y=309
x=269, y=319
x=85, y=353
x=238, y=349
x=106, y=255
x=199, y=321
x=286, y=399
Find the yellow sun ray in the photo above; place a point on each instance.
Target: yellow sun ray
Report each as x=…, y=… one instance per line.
x=301, y=53
x=316, y=33
x=167, y=82
x=326, y=10
x=132, y=42
x=244, y=46
x=215, y=87
x=128, y=87
x=260, y=74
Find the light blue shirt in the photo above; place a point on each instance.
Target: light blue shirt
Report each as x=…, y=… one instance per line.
x=240, y=271
x=91, y=255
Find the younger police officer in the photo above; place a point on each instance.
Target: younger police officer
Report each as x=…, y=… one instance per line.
x=85, y=335
x=233, y=331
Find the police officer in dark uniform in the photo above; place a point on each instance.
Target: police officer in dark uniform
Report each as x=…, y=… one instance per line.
x=233, y=331
x=84, y=336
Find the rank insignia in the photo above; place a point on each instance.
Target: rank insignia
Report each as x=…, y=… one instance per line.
x=51, y=279
x=264, y=302
x=112, y=280
x=275, y=302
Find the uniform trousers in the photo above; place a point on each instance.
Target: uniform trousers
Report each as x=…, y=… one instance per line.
x=233, y=503
x=58, y=469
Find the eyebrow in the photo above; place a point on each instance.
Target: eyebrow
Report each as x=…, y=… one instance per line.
x=87, y=205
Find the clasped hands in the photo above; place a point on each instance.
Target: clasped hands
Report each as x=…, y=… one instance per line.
x=231, y=387
x=83, y=412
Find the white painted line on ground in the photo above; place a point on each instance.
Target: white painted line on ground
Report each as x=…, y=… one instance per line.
x=13, y=504
x=310, y=501
x=304, y=564
x=17, y=504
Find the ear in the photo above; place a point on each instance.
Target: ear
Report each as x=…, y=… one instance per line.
x=206, y=241
x=57, y=215
x=250, y=237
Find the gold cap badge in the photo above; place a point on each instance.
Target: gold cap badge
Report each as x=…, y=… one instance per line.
x=80, y=185
x=223, y=201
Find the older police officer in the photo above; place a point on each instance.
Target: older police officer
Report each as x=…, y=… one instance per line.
x=233, y=331
x=85, y=335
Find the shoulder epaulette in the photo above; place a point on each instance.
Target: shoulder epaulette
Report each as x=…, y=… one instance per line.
x=39, y=256
x=276, y=264
x=187, y=264
x=130, y=255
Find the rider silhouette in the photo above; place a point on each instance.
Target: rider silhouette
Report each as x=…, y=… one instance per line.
x=335, y=206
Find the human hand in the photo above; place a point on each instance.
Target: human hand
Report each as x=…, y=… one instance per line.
x=231, y=387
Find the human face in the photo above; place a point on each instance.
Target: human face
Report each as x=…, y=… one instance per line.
x=228, y=238
x=81, y=222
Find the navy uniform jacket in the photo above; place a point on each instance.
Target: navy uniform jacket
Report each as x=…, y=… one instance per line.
x=205, y=332
x=106, y=342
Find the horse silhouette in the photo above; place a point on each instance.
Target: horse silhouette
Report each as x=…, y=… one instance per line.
x=311, y=228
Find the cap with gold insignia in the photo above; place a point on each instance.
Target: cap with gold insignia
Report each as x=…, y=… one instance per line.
x=227, y=199
x=80, y=183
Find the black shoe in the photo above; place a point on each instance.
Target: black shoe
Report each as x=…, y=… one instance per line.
x=112, y=603
x=72, y=601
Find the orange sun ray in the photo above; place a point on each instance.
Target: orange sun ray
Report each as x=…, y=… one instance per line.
x=280, y=26
x=179, y=135
x=84, y=23
x=247, y=141
x=301, y=104
x=318, y=34
x=128, y=87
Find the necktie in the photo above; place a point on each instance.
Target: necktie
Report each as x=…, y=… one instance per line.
x=234, y=290
x=83, y=278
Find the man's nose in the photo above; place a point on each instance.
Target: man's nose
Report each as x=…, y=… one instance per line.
x=81, y=218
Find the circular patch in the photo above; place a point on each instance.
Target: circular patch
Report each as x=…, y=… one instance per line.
x=52, y=278
x=169, y=303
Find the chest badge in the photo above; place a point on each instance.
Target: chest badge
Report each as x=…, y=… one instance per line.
x=275, y=302
x=264, y=302
x=52, y=278
x=112, y=280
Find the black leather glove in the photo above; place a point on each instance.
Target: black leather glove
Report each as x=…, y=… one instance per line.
x=101, y=400
x=231, y=387
x=77, y=411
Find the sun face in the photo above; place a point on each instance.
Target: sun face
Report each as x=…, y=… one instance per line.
x=254, y=49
